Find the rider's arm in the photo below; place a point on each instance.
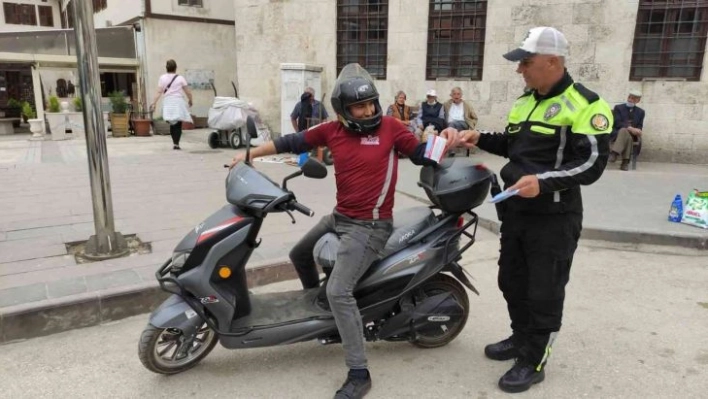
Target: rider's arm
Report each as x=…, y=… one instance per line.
x=408, y=144
x=304, y=141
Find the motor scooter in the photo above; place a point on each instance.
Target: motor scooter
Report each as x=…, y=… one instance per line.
x=414, y=293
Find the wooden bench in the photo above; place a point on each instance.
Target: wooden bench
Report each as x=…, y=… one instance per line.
x=6, y=126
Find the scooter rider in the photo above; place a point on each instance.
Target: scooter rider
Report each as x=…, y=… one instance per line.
x=364, y=145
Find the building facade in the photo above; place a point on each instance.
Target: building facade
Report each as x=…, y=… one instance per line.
x=656, y=46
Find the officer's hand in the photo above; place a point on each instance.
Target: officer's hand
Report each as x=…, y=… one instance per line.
x=241, y=157
x=469, y=138
x=528, y=186
x=452, y=136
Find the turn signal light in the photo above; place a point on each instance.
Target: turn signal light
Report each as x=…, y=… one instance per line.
x=224, y=272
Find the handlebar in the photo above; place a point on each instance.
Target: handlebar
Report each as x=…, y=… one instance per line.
x=296, y=206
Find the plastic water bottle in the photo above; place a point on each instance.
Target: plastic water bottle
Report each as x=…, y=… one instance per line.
x=676, y=210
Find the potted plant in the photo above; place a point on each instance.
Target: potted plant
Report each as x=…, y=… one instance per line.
x=160, y=126
x=36, y=125
x=76, y=118
x=142, y=122
x=119, y=116
x=56, y=119
x=14, y=110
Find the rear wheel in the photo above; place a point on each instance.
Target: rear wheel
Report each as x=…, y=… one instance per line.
x=235, y=139
x=213, y=140
x=165, y=350
x=441, y=284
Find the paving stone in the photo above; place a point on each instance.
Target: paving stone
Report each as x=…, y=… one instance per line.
x=66, y=287
x=21, y=295
x=31, y=265
x=113, y=279
x=23, y=253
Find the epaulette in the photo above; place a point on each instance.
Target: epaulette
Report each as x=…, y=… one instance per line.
x=589, y=95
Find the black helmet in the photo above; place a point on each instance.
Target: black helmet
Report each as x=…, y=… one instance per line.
x=354, y=85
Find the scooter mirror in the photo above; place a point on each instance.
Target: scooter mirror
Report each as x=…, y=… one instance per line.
x=314, y=169
x=251, y=127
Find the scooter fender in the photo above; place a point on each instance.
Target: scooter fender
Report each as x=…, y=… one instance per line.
x=176, y=313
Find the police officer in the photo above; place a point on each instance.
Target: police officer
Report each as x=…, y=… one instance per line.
x=557, y=139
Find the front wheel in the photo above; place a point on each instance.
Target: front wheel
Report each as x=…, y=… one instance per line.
x=442, y=284
x=166, y=351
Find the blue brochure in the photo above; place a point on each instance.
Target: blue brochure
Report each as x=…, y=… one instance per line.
x=503, y=195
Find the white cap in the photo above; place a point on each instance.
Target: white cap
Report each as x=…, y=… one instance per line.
x=541, y=40
x=635, y=93
x=431, y=93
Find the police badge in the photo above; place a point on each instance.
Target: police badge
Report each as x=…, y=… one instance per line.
x=599, y=122
x=551, y=111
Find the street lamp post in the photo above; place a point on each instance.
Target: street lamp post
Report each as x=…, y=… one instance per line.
x=106, y=243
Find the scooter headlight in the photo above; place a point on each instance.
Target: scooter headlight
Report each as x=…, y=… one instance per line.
x=178, y=260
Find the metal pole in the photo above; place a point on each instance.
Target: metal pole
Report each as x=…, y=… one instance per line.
x=107, y=243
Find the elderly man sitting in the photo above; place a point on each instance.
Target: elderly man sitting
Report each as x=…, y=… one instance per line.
x=627, y=128
x=431, y=112
x=458, y=113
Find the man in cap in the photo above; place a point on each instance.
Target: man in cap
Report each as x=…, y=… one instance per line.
x=627, y=129
x=431, y=112
x=557, y=139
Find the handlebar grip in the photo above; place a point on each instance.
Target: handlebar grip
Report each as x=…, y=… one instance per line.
x=302, y=209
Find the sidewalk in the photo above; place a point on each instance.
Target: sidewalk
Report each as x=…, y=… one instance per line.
x=628, y=207
x=160, y=194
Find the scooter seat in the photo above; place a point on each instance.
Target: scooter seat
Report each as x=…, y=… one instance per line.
x=407, y=223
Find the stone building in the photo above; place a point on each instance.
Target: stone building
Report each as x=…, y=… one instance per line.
x=656, y=46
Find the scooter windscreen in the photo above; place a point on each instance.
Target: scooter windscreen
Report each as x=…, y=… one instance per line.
x=250, y=189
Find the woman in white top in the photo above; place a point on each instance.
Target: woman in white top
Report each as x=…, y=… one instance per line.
x=174, y=109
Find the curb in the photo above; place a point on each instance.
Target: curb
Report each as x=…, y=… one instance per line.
x=52, y=316
x=624, y=236
x=617, y=236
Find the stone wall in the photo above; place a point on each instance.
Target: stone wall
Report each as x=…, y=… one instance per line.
x=600, y=33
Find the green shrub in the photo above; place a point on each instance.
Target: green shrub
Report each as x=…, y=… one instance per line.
x=27, y=111
x=53, y=104
x=78, y=104
x=120, y=106
x=12, y=103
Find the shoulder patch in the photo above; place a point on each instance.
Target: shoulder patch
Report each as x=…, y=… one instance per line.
x=588, y=94
x=599, y=122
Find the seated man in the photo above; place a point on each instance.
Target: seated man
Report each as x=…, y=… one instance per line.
x=401, y=111
x=431, y=112
x=458, y=113
x=627, y=128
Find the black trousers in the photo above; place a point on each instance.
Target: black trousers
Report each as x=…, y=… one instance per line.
x=176, y=132
x=534, y=268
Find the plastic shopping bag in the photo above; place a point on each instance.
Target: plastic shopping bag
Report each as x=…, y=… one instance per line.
x=695, y=212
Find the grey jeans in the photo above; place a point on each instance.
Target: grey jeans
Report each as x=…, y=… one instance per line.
x=361, y=243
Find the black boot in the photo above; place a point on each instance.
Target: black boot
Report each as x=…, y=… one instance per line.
x=502, y=350
x=625, y=164
x=520, y=377
x=355, y=387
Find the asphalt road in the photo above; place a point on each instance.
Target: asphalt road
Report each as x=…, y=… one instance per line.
x=635, y=327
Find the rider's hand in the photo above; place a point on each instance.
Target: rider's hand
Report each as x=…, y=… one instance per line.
x=190, y=103
x=469, y=138
x=528, y=186
x=452, y=136
x=240, y=157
